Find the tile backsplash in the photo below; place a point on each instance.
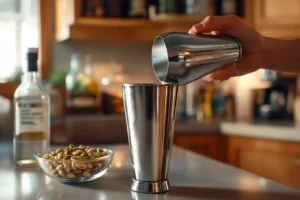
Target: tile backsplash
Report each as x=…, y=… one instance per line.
x=135, y=58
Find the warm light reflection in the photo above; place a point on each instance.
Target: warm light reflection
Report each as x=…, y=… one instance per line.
x=262, y=182
x=47, y=180
x=118, y=160
x=26, y=187
x=118, y=164
x=184, y=53
x=105, y=81
x=102, y=196
x=249, y=182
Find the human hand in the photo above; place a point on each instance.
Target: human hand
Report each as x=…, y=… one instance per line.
x=251, y=42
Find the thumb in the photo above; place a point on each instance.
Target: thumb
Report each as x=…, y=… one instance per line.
x=216, y=23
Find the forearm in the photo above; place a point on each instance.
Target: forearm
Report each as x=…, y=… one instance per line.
x=281, y=55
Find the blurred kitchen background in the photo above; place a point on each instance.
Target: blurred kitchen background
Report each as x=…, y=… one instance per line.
x=96, y=45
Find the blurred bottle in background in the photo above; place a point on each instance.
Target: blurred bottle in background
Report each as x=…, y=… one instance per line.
x=137, y=8
x=185, y=108
x=200, y=7
x=88, y=8
x=229, y=7
x=214, y=102
x=112, y=100
x=82, y=92
x=99, y=8
x=172, y=6
x=150, y=8
x=116, y=8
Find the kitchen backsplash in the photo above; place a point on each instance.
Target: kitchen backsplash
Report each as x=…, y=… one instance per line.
x=136, y=58
x=137, y=68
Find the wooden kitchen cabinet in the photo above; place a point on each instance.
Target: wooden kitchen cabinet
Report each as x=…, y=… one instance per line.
x=279, y=12
x=276, y=160
x=207, y=144
x=69, y=24
x=278, y=18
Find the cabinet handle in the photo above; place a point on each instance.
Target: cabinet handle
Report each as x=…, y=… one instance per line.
x=297, y=162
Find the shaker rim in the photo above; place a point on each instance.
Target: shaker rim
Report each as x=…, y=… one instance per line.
x=149, y=84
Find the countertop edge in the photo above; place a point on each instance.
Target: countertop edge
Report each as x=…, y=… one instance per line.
x=274, y=132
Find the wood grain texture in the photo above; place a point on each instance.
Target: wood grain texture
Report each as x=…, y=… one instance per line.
x=276, y=13
x=274, y=19
x=46, y=37
x=276, y=160
x=210, y=145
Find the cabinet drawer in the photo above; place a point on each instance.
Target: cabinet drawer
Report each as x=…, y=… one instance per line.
x=275, y=160
x=210, y=145
x=278, y=13
x=280, y=167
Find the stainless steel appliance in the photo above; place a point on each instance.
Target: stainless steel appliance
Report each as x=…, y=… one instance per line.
x=181, y=58
x=150, y=118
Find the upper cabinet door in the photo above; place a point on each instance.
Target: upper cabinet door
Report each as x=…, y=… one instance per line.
x=278, y=12
x=275, y=18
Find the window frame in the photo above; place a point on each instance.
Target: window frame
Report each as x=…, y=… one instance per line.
x=46, y=19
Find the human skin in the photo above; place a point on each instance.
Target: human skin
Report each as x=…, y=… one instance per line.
x=258, y=51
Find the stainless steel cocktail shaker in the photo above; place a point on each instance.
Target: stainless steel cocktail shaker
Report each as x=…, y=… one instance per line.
x=178, y=59
x=150, y=118
x=182, y=58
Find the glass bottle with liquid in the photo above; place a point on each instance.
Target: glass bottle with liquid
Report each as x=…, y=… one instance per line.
x=83, y=94
x=31, y=114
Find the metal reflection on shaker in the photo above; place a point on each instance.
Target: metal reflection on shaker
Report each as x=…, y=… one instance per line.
x=181, y=58
x=150, y=119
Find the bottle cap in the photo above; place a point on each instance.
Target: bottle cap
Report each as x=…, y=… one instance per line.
x=32, y=50
x=32, y=57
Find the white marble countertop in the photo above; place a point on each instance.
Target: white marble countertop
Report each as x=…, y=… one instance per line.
x=272, y=130
x=191, y=177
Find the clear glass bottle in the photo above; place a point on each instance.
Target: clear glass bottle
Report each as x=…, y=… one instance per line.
x=32, y=114
x=81, y=90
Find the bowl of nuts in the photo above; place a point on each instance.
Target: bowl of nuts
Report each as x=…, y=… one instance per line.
x=75, y=164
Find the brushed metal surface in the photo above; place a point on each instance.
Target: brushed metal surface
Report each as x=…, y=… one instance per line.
x=182, y=58
x=150, y=187
x=150, y=119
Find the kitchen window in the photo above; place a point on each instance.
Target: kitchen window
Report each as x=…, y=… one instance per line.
x=19, y=29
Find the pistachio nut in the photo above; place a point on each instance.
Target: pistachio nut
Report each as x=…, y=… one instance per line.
x=46, y=156
x=59, y=167
x=67, y=169
x=91, y=150
x=70, y=175
x=81, y=165
x=62, y=173
x=89, y=165
x=86, y=174
x=76, y=172
x=59, y=150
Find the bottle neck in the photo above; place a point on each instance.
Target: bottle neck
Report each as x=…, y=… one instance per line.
x=31, y=77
